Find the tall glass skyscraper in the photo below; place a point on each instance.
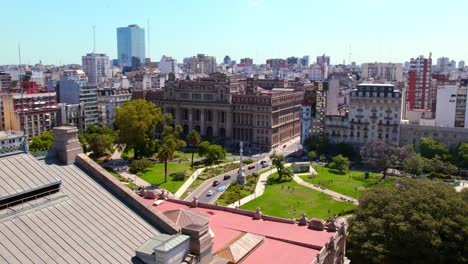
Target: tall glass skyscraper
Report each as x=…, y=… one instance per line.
x=130, y=45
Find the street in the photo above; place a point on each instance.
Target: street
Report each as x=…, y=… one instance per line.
x=202, y=192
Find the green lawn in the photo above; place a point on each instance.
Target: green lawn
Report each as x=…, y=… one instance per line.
x=278, y=200
x=352, y=184
x=176, y=175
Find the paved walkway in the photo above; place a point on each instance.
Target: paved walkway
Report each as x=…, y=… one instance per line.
x=259, y=189
x=335, y=195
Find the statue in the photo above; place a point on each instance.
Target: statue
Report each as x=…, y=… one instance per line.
x=240, y=175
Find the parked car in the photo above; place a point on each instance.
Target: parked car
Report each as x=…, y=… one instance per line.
x=264, y=165
x=209, y=193
x=216, y=183
x=251, y=167
x=263, y=162
x=226, y=177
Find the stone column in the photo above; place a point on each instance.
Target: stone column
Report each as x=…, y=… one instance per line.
x=214, y=122
x=228, y=124
x=202, y=122
x=177, y=118
x=190, y=119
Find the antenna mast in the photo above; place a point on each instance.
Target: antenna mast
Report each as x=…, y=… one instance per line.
x=94, y=38
x=149, y=43
x=22, y=92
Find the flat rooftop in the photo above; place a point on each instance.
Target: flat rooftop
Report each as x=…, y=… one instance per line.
x=82, y=223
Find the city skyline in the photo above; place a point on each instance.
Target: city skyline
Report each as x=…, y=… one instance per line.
x=371, y=30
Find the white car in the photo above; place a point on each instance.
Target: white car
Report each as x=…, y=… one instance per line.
x=209, y=193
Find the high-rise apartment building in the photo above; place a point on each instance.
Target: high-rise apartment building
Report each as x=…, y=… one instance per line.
x=246, y=61
x=420, y=94
x=130, y=45
x=97, y=68
x=5, y=81
x=201, y=64
x=73, y=89
x=390, y=72
x=305, y=61
x=33, y=113
x=461, y=65
x=168, y=64
x=227, y=60
x=323, y=60
x=443, y=65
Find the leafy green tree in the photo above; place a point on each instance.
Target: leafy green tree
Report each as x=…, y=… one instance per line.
x=278, y=161
x=203, y=148
x=193, y=139
x=170, y=143
x=462, y=155
x=346, y=150
x=166, y=153
x=136, y=121
x=215, y=152
x=139, y=165
x=42, y=142
x=319, y=143
x=413, y=164
x=430, y=147
x=99, y=144
x=340, y=163
x=312, y=155
x=418, y=221
x=438, y=168
x=380, y=156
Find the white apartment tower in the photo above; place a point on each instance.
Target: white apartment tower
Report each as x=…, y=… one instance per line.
x=97, y=68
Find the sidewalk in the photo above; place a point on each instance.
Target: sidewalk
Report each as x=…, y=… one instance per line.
x=335, y=195
x=259, y=189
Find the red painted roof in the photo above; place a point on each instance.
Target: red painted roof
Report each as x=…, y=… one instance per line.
x=229, y=226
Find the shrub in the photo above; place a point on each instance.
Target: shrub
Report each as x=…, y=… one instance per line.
x=139, y=165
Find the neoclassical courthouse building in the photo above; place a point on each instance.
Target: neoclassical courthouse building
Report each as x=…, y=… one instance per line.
x=231, y=109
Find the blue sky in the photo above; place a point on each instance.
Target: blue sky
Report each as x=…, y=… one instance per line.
x=60, y=31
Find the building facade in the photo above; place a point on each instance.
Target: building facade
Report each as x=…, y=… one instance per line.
x=451, y=106
x=420, y=94
x=32, y=113
x=108, y=99
x=97, y=68
x=201, y=64
x=5, y=81
x=130, y=45
x=306, y=121
x=390, y=72
x=220, y=107
x=168, y=65
x=374, y=115
x=73, y=89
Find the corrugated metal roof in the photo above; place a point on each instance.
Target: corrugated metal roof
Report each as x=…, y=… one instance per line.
x=90, y=226
x=19, y=175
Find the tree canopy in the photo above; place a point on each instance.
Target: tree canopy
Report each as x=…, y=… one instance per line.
x=418, y=221
x=278, y=161
x=381, y=156
x=42, y=142
x=193, y=139
x=340, y=163
x=136, y=121
x=430, y=147
x=98, y=139
x=462, y=155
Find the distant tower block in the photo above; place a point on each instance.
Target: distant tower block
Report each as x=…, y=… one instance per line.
x=240, y=175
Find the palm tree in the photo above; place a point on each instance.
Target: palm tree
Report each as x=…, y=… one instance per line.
x=193, y=139
x=166, y=152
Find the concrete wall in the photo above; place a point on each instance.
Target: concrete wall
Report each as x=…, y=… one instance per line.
x=154, y=217
x=449, y=136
